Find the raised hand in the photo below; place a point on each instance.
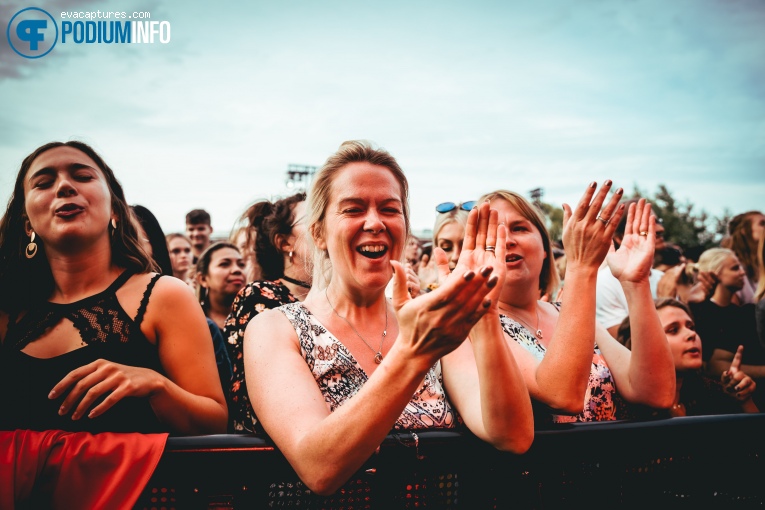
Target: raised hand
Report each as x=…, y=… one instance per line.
x=99, y=378
x=482, y=231
x=736, y=382
x=436, y=323
x=588, y=231
x=633, y=260
x=703, y=288
x=428, y=272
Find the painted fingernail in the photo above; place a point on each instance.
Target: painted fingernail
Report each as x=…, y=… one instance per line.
x=621, y=207
x=468, y=275
x=52, y=394
x=593, y=184
x=486, y=271
x=394, y=268
x=487, y=303
x=608, y=182
x=619, y=191
x=492, y=281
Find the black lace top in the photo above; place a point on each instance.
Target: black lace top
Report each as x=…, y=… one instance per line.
x=107, y=332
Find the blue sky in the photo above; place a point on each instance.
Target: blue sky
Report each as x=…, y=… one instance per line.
x=469, y=97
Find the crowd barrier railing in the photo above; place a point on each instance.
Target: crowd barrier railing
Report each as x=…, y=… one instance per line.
x=693, y=462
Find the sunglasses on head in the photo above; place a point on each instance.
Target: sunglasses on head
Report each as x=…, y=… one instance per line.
x=450, y=206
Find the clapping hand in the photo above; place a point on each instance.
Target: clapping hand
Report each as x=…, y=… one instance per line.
x=587, y=231
x=483, y=246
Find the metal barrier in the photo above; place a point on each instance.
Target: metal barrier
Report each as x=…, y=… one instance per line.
x=693, y=462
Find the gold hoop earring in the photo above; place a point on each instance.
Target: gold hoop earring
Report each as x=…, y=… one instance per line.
x=290, y=255
x=31, y=250
x=114, y=225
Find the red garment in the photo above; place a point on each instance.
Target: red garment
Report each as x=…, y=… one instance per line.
x=57, y=469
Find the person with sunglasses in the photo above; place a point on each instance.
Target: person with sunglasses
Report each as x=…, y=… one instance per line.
x=611, y=303
x=448, y=233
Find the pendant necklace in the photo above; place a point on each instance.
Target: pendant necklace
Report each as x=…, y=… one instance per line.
x=537, y=331
x=378, y=352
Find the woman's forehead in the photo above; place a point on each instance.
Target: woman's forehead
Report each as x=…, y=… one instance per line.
x=59, y=157
x=363, y=180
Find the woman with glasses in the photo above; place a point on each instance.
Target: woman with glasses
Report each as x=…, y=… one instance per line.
x=448, y=233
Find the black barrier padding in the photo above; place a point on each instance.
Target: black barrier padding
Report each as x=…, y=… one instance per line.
x=693, y=462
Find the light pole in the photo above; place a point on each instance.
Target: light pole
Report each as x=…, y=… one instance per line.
x=299, y=176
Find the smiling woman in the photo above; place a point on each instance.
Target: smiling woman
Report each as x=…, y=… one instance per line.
x=220, y=276
x=93, y=339
x=329, y=377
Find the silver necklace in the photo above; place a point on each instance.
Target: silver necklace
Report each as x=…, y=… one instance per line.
x=537, y=331
x=378, y=352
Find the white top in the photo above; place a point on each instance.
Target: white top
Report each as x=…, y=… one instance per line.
x=610, y=301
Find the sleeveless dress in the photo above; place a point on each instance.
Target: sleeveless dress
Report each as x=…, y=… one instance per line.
x=253, y=299
x=339, y=375
x=601, y=401
x=107, y=332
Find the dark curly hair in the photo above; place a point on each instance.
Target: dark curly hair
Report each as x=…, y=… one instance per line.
x=270, y=220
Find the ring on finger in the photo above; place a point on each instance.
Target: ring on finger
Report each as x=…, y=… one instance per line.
x=643, y=233
x=604, y=220
x=490, y=248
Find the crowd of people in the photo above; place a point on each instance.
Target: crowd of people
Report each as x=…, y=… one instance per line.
x=324, y=323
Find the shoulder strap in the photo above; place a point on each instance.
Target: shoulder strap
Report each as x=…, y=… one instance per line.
x=145, y=300
x=119, y=282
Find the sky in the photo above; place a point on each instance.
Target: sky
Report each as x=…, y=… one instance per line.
x=468, y=96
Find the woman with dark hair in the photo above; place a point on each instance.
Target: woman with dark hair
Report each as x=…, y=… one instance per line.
x=285, y=266
x=220, y=276
x=153, y=238
x=696, y=394
x=92, y=339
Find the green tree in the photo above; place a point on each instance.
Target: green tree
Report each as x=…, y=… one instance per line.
x=695, y=231
x=554, y=217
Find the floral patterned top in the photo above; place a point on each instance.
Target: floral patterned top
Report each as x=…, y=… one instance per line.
x=601, y=401
x=339, y=375
x=250, y=301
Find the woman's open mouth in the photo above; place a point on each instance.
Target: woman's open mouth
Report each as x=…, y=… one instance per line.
x=373, y=251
